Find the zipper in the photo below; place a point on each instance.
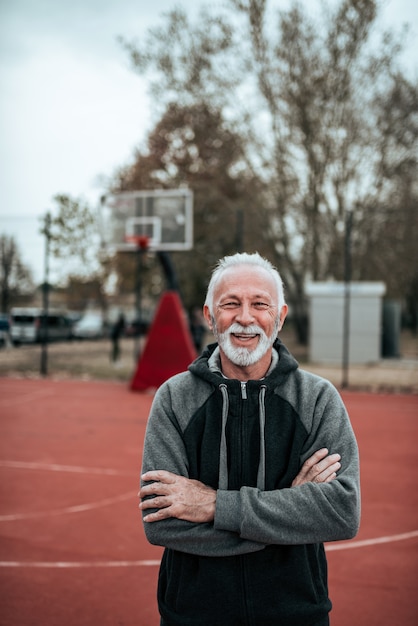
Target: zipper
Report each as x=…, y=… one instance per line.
x=242, y=438
x=244, y=391
x=245, y=587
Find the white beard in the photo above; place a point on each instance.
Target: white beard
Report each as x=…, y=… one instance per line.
x=244, y=357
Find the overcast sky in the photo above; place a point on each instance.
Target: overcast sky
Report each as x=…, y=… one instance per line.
x=71, y=108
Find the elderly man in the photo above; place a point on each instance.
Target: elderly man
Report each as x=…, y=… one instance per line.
x=239, y=483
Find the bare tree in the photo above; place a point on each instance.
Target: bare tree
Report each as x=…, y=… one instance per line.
x=387, y=229
x=73, y=232
x=303, y=95
x=75, y=237
x=15, y=277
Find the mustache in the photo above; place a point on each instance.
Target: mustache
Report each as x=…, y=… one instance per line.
x=236, y=328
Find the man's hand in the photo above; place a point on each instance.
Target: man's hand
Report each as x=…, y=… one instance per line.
x=321, y=467
x=176, y=496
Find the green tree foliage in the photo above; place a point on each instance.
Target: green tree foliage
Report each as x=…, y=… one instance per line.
x=15, y=277
x=326, y=121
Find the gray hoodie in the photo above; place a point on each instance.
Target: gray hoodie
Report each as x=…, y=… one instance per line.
x=263, y=553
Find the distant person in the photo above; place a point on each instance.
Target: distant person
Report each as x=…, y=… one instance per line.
x=115, y=334
x=249, y=465
x=197, y=328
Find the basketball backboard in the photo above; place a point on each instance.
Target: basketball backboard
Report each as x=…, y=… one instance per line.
x=165, y=217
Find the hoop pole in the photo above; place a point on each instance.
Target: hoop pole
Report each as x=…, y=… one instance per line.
x=169, y=270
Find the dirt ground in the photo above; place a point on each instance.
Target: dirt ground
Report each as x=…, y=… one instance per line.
x=90, y=360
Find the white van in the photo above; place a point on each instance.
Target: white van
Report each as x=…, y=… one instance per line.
x=90, y=326
x=26, y=325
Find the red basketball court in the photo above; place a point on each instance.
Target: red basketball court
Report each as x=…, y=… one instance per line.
x=72, y=546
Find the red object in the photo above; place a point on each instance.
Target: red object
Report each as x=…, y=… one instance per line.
x=141, y=241
x=169, y=347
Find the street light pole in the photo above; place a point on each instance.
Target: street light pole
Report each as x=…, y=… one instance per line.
x=45, y=298
x=347, y=299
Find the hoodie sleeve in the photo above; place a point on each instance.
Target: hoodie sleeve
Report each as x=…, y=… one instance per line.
x=164, y=449
x=312, y=512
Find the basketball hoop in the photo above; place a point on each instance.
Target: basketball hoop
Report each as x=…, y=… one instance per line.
x=159, y=219
x=141, y=241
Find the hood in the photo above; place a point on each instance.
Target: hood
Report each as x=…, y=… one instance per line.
x=284, y=365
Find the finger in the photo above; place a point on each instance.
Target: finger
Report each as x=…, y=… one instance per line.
x=326, y=463
x=159, y=475
x=315, y=458
x=157, y=515
x=155, y=489
x=320, y=467
x=331, y=470
x=159, y=502
x=330, y=478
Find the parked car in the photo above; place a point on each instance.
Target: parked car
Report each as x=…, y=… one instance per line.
x=90, y=326
x=27, y=325
x=4, y=330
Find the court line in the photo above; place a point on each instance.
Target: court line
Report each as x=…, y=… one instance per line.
x=152, y=563
x=28, y=396
x=362, y=543
x=78, y=469
x=79, y=508
x=54, y=467
x=79, y=564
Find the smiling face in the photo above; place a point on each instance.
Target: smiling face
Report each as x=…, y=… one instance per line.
x=246, y=318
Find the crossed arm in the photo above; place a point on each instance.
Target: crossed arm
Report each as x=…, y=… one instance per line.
x=191, y=500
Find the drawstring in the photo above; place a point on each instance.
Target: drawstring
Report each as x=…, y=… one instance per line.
x=223, y=452
x=261, y=473
x=223, y=456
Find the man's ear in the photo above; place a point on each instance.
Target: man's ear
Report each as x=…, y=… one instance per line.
x=207, y=316
x=283, y=313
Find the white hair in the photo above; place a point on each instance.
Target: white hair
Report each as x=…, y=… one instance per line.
x=239, y=259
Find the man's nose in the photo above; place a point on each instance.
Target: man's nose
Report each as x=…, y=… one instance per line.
x=245, y=314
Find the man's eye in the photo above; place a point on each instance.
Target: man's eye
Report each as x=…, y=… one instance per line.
x=261, y=306
x=229, y=305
